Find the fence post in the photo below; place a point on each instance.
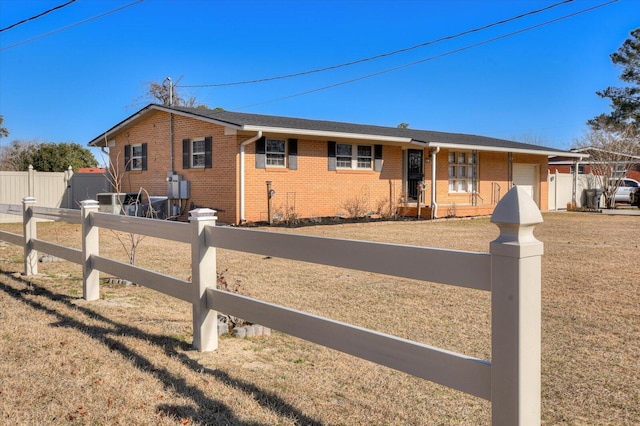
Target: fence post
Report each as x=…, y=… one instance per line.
x=516, y=312
x=68, y=192
x=31, y=181
x=203, y=275
x=90, y=245
x=30, y=232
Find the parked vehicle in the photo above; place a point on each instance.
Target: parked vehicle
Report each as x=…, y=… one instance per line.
x=627, y=186
x=634, y=198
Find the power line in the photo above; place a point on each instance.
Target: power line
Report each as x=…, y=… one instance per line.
x=451, y=52
x=72, y=25
x=382, y=55
x=37, y=16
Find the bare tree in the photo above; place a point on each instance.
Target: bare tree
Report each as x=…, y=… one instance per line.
x=168, y=95
x=3, y=130
x=18, y=155
x=128, y=241
x=612, y=150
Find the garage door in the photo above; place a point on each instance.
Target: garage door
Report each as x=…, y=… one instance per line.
x=526, y=177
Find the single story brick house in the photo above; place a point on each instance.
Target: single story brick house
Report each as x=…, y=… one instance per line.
x=252, y=167
x=563, y=164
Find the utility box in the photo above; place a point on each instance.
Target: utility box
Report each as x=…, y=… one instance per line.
x=184, y=189
x=177, y=188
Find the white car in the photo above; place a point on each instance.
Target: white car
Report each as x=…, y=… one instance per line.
x=627, y=186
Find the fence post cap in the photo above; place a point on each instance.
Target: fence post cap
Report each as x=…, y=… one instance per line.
x=28, y=200
x=89, y=203
x=517, y=207
x=202, y=214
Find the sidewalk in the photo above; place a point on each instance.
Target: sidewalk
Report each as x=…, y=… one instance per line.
x=623, y=210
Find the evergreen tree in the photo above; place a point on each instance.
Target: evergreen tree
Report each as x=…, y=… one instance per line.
x=625, y=101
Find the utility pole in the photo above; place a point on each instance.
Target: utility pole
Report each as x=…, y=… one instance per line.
x=170, y=90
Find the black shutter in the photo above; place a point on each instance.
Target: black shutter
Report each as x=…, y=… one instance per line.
x=377, y=166
x=261, y=153
x=144, y=156
x=127, y=157
x=331, y=154
x=208, y=142
x=186, y=148
x=293, y=154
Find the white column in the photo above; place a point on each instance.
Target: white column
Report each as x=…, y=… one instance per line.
x=30, y=232
x=90, y=246
x=203, y=275
x=516, y=312
x=434, y=203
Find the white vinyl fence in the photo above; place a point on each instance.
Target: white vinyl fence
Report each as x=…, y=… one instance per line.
x=511, y=271
x=561, y=189
x=51, y=189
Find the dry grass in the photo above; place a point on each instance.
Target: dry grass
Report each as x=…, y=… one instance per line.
x=126, y=359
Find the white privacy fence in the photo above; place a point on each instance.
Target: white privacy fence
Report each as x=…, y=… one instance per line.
x=511, y=271
x=562, y=186
x=51, y=189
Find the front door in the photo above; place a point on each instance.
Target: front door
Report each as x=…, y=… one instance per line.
x=415, y=172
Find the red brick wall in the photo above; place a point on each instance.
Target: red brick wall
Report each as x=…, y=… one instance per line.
x=492, y=167
x=214, y=187
x=315, y=191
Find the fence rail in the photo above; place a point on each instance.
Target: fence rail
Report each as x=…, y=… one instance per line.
x=511, y=271
x=420, y=263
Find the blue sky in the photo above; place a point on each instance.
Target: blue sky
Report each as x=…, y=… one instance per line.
x=537, y=86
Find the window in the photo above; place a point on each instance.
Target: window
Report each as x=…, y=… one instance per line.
x=136, y=157
x=581, y=169
x=364, y=156
x=197, y=153
x=463, y=171
x=354, y=156
x=276, y=152
x=619, y=171
x=343, y=155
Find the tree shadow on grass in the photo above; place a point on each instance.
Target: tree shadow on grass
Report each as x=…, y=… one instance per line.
x=210, y=411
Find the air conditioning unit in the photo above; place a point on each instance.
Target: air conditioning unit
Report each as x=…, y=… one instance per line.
x=115, y=202
x=157, y=208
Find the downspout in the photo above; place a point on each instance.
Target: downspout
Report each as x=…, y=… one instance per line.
x=171, y=141
x=434, y=204
x=509, y=170
x=242, y=145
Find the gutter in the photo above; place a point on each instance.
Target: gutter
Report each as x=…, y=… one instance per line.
x=242, y=145
x=331, y=135
x=549, y=152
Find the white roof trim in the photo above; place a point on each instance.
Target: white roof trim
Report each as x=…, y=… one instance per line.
x=322, y=133
x=503, y=149
x=106, y=135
